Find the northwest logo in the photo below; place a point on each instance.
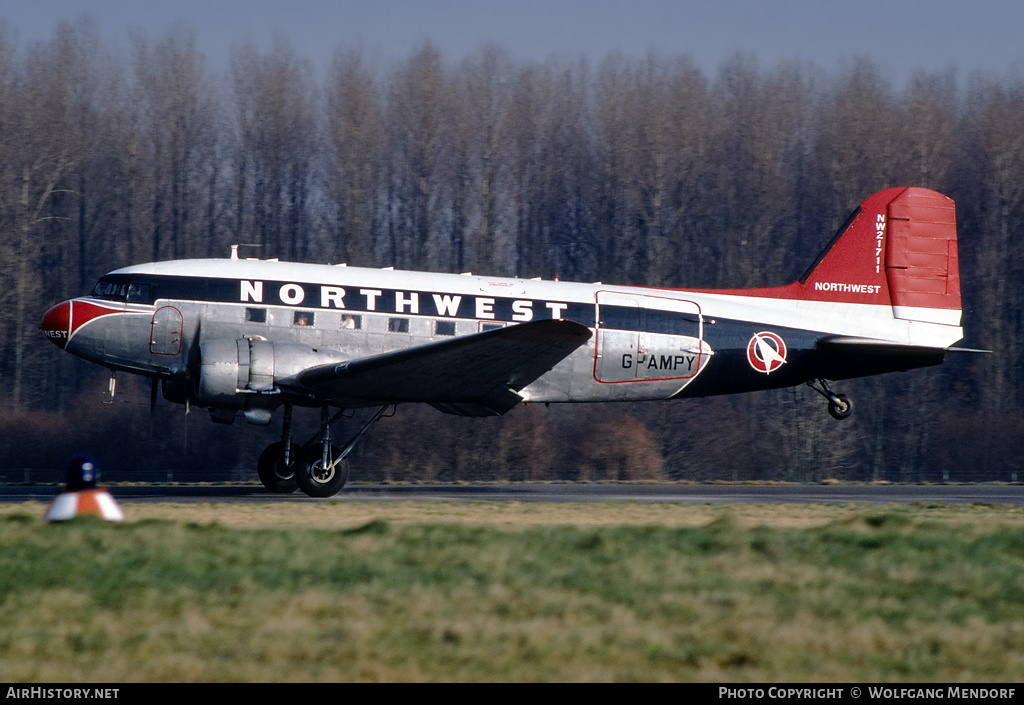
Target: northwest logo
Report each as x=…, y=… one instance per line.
x=766, y=352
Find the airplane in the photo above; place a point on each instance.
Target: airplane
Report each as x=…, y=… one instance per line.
x=244, y=336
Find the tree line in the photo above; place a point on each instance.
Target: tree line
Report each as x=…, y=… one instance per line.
x=624, y=170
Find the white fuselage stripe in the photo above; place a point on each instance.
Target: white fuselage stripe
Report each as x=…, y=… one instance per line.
x=925, y=327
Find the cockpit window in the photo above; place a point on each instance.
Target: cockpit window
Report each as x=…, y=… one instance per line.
x=139, y=293
x=118, y=288
x=113, y=290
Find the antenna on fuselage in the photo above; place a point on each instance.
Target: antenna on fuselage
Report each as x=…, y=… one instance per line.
x=234, y=248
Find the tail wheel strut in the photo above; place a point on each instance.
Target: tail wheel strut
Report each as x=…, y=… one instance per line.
x=839, y=405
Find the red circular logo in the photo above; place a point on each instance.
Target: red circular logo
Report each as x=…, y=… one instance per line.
x=766, y=352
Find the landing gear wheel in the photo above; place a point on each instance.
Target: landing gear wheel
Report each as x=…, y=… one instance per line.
x=314, y=478
x=840, y=407
x=272, y=471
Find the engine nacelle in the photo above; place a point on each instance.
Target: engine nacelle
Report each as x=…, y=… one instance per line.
x=248, y=373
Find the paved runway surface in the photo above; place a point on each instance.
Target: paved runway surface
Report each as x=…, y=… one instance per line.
x=543, y=492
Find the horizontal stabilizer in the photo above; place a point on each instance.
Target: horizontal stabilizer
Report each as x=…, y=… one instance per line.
x=862, y=343
x=846, y=357
x=869, y=345
x=970, y=350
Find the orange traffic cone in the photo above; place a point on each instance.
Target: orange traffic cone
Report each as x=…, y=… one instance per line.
x=82, y=496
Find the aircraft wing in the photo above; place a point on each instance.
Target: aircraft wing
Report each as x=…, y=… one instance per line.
x=473, y=375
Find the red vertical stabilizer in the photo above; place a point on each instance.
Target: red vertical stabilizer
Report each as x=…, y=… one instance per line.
x=899, y=249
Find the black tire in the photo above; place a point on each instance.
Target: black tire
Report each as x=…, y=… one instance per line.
x=272, y=471
x=310, y=474
x=842, y=409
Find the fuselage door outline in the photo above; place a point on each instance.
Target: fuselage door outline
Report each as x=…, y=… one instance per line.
x=643, y=338
x=165, y=338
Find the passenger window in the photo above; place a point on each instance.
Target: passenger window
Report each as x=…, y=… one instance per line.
x=256, y=315
x=444, y=328
x=490, y=326
x=350, y=322
x=303, y=318
x=398, y=325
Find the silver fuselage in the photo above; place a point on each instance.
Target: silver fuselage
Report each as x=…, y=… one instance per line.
x=153, y=319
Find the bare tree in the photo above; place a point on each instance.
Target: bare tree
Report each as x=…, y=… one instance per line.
x=484, y=199
x=992, y=211
x=645, y=171
x=355, y=134
x=175, y=131
x=555, y=172
x=276, y=143
x=420, y=168
x=45, y=143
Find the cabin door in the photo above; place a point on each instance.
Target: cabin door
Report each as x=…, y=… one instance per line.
x=647, y=338
x=166, y=336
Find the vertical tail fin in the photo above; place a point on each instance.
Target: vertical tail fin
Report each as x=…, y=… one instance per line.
x=897, y=249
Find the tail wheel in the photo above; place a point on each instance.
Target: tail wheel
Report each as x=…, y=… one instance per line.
x=316, y=478
x=273, y=473
x=840, y=407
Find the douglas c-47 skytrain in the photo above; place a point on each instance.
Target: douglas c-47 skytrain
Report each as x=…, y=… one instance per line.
x=249, y=336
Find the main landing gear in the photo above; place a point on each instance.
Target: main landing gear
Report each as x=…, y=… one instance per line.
x=318, y=468
x=839, y=405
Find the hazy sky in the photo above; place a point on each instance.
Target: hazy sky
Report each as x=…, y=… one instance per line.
x=900, y=35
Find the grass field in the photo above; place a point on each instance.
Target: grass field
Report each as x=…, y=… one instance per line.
x=483, y=591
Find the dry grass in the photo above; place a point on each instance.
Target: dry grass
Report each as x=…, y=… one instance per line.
x=517, y=515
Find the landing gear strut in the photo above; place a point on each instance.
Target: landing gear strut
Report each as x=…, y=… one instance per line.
x=318, y=468
x=276, y=475
x=275, y=464
x=839, y=405
x=321, y=470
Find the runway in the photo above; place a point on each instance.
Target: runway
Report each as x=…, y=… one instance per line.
x=1009, y=494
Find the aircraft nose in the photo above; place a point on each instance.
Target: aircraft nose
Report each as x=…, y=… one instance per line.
x=56, y=324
